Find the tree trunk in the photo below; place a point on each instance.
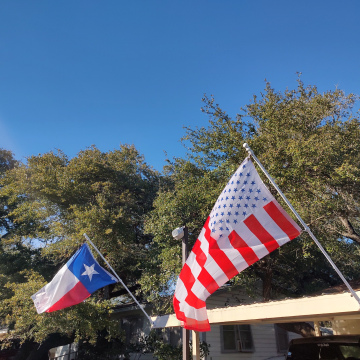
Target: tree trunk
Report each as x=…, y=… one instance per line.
x=267, y=278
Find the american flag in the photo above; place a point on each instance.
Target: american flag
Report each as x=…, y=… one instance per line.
x=245, y=224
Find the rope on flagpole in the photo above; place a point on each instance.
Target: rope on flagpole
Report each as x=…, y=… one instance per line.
x=306, y=228
x=117, y=276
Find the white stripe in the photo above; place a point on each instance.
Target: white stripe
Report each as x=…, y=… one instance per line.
x=204, y=244
x=239, y=262
x=232, y=254
x=271, y=227
x=192, y=313
x=193, y=265
x=180, y=292
x=190, y=259
x=215, y=271
x=52, y=292
x=224, y=243
x=200, y=290
x=252, y=241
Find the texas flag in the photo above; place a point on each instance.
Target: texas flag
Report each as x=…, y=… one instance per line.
x=75, y=281
x=245, y=224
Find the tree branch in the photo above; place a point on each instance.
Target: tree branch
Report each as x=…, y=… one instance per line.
x=301, y=328
x=350, y=231
x=123, y=291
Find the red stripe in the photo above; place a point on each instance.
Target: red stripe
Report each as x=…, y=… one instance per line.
x=282, y=219
x=179, y=314
x=200, y=255
x=75, y=296
x=208, y=281
x=194, y=301
x=240, y=245
x=176, y=304
x=187, y=277
x=259, y=231
x=197, y=325
x=190, y=324
x=188, y=280
x=219, y=256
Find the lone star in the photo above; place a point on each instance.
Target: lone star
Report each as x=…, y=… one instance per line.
x=90, y=271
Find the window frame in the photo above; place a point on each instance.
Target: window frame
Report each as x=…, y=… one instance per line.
x=279, y=332
x=238, y=337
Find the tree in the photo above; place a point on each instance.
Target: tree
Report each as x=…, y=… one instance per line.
x=7, y=162
x=53, y=201
x=84, y=321
x=181, y=201
x=15, y=257
x=308, y=141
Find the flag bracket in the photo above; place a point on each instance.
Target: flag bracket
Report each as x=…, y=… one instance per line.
x=306, y=228
x=119, y=279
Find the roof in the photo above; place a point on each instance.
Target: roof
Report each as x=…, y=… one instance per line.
x=313, y=308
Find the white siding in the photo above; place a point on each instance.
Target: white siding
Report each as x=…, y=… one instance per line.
x=263, y=338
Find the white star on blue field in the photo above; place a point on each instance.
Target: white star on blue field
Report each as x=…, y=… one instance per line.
x=243, y=194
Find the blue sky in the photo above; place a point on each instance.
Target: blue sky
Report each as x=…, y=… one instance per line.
x=82, y=72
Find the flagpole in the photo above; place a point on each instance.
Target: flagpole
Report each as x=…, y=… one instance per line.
x=306, y=228
x=117, y=276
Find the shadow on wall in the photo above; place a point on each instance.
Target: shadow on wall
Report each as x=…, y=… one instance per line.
x=346, y=327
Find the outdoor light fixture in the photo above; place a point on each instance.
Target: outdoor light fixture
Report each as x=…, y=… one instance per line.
x=178, y=233
x=181, y=233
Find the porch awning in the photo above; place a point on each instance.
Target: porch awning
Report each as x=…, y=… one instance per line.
x=318, y=308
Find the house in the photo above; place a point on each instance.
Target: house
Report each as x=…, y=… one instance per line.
x=227, y=340
x=244, y=327
x=248, y=331
x=243, y=340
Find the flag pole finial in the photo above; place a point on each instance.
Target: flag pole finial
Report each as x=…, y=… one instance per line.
x=248, y=149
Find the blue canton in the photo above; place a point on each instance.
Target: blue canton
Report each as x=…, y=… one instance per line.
x=242, y=196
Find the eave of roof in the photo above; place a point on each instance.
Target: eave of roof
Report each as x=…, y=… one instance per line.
x=314, y=308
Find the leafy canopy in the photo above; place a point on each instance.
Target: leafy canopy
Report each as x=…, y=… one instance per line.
x=308, y=142
x=49, y=203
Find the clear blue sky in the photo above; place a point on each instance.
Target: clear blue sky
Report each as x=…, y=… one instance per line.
x=82, y=72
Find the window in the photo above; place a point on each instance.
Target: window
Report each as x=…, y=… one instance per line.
x=282, y=339
x=133, y=327
x=236, y=338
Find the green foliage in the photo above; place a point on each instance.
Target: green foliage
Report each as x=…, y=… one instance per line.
x=83, y=321
x=309, y=143
x=104, y=195
x=153, y=343
x=50, y=202
x=307, y=140
x=161, y=350
x=15, y=257
x=104, y=348
x=182, y=202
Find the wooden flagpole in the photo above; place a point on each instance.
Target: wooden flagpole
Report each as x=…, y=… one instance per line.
x=117, y=276
x=306, y=228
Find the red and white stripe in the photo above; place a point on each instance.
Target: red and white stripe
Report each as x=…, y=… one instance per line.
x=215, y=259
